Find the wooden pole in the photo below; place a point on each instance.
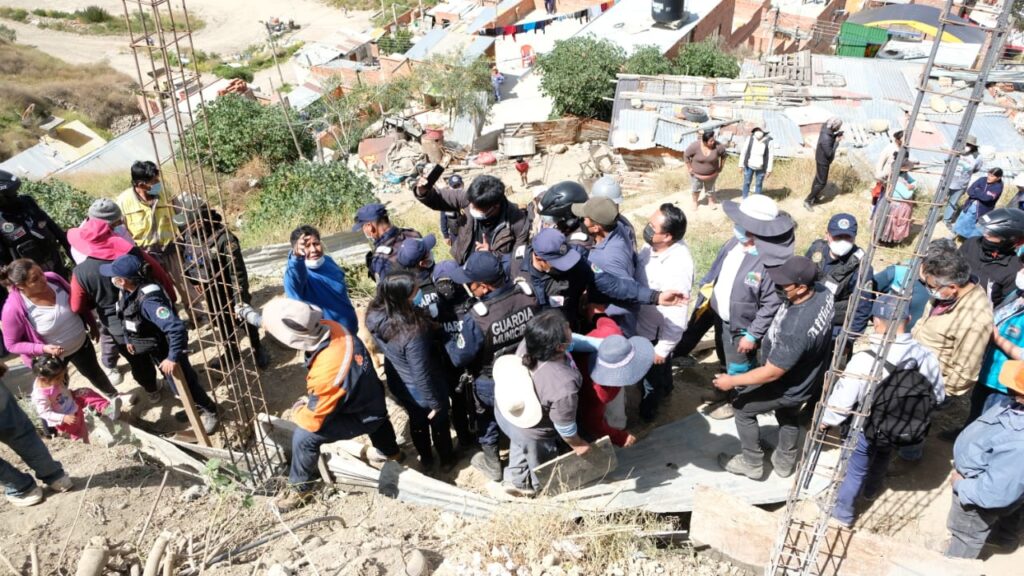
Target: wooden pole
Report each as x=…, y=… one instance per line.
x=190, y=408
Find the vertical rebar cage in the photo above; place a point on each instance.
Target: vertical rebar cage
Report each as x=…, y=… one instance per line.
x=171, y=94
x=804, y=544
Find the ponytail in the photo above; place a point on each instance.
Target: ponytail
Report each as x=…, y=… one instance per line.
x=16, y=272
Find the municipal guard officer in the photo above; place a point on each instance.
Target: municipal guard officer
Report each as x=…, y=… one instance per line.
x=373, y=220
x=152, y=328
x=613, y=251
x=839, y=259
x=449, y=304
x=414, y=255
x=493, y=327
x=26, y=231
x=555, y=210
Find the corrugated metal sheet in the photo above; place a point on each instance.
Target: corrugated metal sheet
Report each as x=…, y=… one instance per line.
x=881, y=78
x=478, y=47
x=860, y=35
x=36, y=163
x=465, y=129
x=421, y=50
x=851, y=50
x=485, y=17
x=302, y=96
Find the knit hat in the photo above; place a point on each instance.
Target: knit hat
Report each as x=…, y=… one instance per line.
x=105, y=209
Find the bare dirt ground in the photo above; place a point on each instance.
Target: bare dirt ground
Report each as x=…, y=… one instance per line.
x=231, y=26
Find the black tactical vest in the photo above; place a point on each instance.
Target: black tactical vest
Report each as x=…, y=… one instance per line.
x=837, y=279
x=139, y=332
x=384, y=258
x=503, y=326
x=25, y=236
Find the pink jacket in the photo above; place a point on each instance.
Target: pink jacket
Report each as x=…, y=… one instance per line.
x=20, y=337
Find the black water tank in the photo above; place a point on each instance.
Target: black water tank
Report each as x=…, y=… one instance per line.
x=667, y=10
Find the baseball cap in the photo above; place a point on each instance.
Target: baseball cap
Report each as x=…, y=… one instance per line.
x=104, y=209
x=796, y=270
x=479, y=267
x=549, y=245
x=885, y=308
x=126, y=266
x=445, y=269
x=413, y=250
x=842, y=224
x=455, y=181
x=601, y=210
x=369, y=213
x=1012, y=375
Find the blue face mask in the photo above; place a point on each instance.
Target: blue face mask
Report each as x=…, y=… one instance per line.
x=740, y=234
x=155, y=190
x=417, y=300
x=1020, y=251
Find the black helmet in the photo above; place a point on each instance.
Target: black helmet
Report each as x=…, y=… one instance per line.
x=1006, y=223
x=9, y=183
x=558, y=200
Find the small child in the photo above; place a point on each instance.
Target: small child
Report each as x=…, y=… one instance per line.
x=523, y=167
x=62, y=408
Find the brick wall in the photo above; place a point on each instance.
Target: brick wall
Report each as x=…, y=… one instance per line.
x=717, y=23
x=390, y=67
x=747, y=21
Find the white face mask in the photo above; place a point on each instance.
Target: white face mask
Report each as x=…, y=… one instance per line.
x=1020, y=280
x=314, y=264
x=476, y=214
x=840, y=247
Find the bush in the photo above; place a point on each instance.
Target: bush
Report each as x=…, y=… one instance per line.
x=67, y=205
x=649, y=61
x=232, y=72
x=577, y=74
x=397, y=43
x=16, y=14
x=706, y=59
x=94, y=15
x=323, y=195
x=241, y=129
x=8, y=34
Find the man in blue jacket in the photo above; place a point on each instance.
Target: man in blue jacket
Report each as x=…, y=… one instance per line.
x=614, y=252
x=988, y=480
x=315, y=278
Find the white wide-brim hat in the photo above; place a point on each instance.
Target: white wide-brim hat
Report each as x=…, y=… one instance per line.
x=514, y=394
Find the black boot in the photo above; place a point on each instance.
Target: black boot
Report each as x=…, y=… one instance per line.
x=487, y=462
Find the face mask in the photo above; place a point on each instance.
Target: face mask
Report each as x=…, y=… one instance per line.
x=446, y=288
x=1020, y=250
x=314, y=264
x=1020, y=280
x=477, y=214
x=740, y=234
x=155, y=190
x=840, y=247
x=781, y=293
x=417, y=300
x=49, y=392
x=649, y=234
x=938, y=298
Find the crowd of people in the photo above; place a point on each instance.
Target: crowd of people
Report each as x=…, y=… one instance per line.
x=543, y=317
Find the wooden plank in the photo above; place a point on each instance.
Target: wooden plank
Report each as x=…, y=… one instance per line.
x=570, y=472
x=746, y=535
x=185, y=395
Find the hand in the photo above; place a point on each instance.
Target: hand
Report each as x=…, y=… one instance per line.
x=823, y=428
x=299, y=403
x=168, y=366
x=131, y=348
x=483, y=246
x=954, y=478
x=746, y=346
x=300, y=246
x=70, y=419
x=243, y=311
x=94, y=333
x=630, y=440
x=724, y=382
x=673, y=298
x=659, y=359
x=53, y=349
x=581, y=450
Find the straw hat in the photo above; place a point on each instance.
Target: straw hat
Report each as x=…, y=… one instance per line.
x=514, y=395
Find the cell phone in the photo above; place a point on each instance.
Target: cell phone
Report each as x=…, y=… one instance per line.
x=435, y=175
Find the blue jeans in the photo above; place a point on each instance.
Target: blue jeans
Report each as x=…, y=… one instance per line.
x=657, y=385
x=487, y=428
x=526, y=454
x=18, y=433
x=971, y=527
x=306, y=445
x=951, y=202
x=864, y=475
x=757, y=176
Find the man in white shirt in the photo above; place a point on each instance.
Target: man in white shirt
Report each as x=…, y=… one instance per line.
x=868, y=463
x=664, y=264
x=756, y=160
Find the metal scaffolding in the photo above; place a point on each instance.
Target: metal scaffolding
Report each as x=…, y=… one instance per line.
x=171, y=91
x=809, y=546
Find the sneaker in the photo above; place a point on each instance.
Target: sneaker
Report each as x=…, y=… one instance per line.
x=156, y=396
x=262, y=358
x=62, y=484
x=293, y=500
x=209, y=421
x=736, y=464
x=518, y=492
x=841, y=522
x=714, y=396
x=377, y=457
x=114, y=375
x=808, y=207
x=26, y=499
x=723, y=412
x=781, y=468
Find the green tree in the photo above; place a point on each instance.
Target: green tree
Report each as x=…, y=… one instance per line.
x=398, y=42
x=359, y=106
x=305, y=193
x=706, y=59
x=577, y=75
x=67, y=205
x=456, y=83
x=240, y=129
x=648, y=61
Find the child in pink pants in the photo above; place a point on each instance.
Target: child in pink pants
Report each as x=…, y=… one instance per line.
x=62, y=408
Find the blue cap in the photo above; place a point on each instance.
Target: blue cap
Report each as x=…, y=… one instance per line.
x=480, y=267
x=455, y=181
x=126, y=266
x=549, y=245
x=413, y=250
x=842, y=224
x=369, y=213
x=445, y=269
x=885, y=308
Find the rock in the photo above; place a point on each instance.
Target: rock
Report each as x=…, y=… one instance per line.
x=193, y=493
x=280, y=556
x=417, y=564
x=558, y=148
x=549, y=560
x=279, y=570
x=314, y=542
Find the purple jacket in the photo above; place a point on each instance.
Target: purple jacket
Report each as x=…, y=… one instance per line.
x=20, y=337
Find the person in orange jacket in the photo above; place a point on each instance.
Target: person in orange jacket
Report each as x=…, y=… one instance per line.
x=344, y=399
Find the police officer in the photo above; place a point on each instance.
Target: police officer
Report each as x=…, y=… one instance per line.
x=152, y=328
x=26, y=231
x=839, y=259
x=212, y=260
x=613, y=252
x=415, y=255
x=993, y=255
x=373, y=220
x=555, y=210
x=560, y=277
x=493, y=326
x=608, y=187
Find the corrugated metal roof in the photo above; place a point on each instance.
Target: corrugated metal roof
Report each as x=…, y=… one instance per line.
x=423, y=47
x=628, y=24
x=478, y=47
x=485, y=17
x=36, y=163
x=302, y=96
x=860, y=35
x=880, y=78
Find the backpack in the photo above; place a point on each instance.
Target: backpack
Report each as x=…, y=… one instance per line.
x=901, y=410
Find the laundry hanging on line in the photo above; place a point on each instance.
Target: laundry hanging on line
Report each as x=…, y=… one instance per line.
x=538, y=26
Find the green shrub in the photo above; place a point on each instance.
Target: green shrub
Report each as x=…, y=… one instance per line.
x=16, y=14
x=647, y=61
x=94, y=15
x=8, y=34
x=577, y=75
x=241, y=129
x=707, y=59
x=67, y=205
x=398, y=42
x=232, y=72
x=322, y=195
